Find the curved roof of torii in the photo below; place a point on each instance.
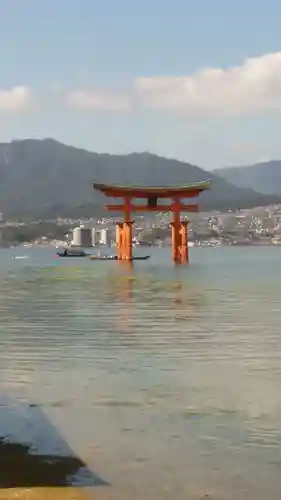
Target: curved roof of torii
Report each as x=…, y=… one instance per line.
x=187, y=191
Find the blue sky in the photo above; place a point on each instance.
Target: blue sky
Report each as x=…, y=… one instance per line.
x=121, y=76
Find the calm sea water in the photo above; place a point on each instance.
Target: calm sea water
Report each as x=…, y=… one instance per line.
x=165, y=380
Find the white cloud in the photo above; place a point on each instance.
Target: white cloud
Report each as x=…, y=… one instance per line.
x=99, y=100
x=253, y=86
x=15, y=99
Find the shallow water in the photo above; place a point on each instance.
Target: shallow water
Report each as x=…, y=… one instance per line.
x=165, y=380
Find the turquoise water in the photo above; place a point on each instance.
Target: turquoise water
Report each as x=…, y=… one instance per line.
x=165, y=380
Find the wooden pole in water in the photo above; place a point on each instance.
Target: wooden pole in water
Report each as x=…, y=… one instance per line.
x=184, y=242
x=127, y=251
x=176, y=227
x=119, y=239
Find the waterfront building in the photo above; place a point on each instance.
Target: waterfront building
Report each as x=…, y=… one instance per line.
x=82, y=237
x=100, y=236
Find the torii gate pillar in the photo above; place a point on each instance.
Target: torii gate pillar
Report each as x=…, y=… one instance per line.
x=124, y=238
x=180, y=242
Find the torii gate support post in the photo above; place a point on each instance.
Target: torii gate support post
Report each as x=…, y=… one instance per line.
x=179, y=235
x=184, y=242
x=119, y=239
x=124, y=233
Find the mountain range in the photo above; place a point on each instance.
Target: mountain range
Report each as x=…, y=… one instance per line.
x=264, y=177
x=44, y=178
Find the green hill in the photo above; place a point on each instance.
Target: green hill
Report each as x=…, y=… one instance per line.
x=44, y=178
x=264, y=177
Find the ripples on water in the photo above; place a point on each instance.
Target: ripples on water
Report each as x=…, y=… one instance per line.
x=166, y=380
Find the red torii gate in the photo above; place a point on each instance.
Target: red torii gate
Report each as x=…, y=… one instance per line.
x=151, y=195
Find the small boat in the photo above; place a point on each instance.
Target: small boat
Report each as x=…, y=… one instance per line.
x=141, y=257
x=114, y=257
x=103, y=257
x=72, y=253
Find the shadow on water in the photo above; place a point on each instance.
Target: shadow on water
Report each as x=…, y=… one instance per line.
x=34, y=454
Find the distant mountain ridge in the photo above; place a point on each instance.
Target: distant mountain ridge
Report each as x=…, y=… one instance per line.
x=44, y=178
x=264, y=177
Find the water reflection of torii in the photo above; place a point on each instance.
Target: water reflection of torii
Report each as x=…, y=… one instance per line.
x=180, y=302
x=123, y=289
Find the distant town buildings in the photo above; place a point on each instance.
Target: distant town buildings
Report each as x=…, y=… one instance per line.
x=256, y=226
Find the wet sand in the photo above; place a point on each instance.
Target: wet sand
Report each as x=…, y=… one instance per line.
x=45, y=494
x=18, y=465
x=27, y=475
x=71, y=493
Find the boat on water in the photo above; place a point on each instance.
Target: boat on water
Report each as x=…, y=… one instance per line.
x=69, y=252
x=102, y=257
x=114, y=257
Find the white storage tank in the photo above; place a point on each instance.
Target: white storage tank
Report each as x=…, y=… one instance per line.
x=95, y=237
x=104, y=240
x=82, y=237
x=100, y=236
